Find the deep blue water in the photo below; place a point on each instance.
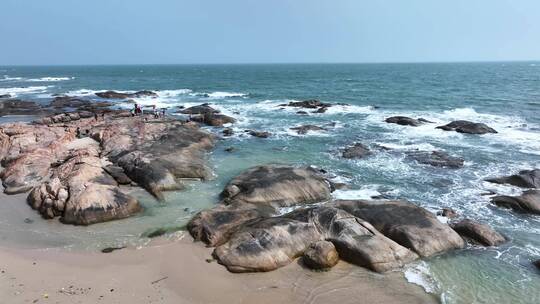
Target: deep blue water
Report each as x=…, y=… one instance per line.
x=505, y=96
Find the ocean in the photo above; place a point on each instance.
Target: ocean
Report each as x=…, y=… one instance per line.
x=504, y=95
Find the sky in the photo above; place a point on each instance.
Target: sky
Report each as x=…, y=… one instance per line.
x=58, y=32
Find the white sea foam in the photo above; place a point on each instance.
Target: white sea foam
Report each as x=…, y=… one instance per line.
x=349, y=109
x=173, y=93
x=7, y=78
x=82, y=92
x=219, y=95
x=365, y=192
x=408, y=147
x=418, y=273
x=23, y=91
x=50, y=79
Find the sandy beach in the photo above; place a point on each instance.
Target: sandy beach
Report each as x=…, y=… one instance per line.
x=180, y=273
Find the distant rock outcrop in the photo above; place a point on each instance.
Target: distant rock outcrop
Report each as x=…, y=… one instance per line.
x=464, y=126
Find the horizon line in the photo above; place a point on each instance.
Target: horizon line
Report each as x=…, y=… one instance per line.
x=271, y=63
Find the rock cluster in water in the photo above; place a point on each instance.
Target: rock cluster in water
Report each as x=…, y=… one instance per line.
x=251, y=233
x=529, y=200
x=460, y=126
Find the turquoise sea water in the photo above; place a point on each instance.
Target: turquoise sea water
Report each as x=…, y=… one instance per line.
x=505, y=96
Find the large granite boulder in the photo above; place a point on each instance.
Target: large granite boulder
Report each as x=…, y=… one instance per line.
x=524, y=179
x=215, y=226
x=277, y=186
x=527, y=202
x=270, y=243
x=436, y=159
x=464, y=126
x=156, y=155
x=255, y=193
x=478, y=232
x=82, y=193
x=407, y=224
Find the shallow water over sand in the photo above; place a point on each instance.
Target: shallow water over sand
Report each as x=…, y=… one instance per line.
x=506, y=96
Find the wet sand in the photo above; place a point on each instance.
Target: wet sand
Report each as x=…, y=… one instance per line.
x=180, y=272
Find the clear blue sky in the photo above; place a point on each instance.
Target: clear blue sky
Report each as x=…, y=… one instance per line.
x=244, y=31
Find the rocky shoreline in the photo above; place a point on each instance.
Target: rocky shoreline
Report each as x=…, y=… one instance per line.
x=74, y=165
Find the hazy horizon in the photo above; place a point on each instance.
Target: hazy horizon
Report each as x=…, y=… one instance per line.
x=136, y=32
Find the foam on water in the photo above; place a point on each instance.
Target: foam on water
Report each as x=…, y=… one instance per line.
x=50, y=79
x=418, y=273
x=366, y=192
x=24, y=90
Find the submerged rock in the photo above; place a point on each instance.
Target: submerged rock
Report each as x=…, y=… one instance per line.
x=448, y=212
x=260, y=134
x=404, y=121
x=464, y=126
x=524, y=179
x=228, y=132
x=5, y=96
x=321, y=255
x=527, y=202
x=306, y=128
x=437, y=159
x=357, y=150
x=478, y=232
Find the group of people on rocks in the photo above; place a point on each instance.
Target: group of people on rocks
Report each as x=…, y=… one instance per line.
x=138, y=110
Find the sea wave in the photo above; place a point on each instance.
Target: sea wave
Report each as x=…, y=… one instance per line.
x=418, y=273
x=219, y=95
x=7, y=78
x=50, y=79
x=24, y=90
